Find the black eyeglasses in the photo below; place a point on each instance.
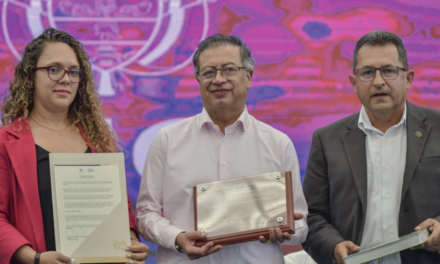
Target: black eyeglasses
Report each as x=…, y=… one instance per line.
x=57, y=73
x=210, y=73
x=387, y=72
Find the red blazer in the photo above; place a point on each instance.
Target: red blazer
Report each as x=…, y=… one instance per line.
x=21, y=221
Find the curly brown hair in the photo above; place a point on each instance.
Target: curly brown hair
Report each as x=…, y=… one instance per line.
x=85, y=108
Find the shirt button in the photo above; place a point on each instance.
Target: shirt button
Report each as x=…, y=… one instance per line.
x=387, y=166
x=224, y=140
x=387, y=196
x=224, y=163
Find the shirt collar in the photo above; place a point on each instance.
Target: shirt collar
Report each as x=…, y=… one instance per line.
x=241, y=122
x=364, y=122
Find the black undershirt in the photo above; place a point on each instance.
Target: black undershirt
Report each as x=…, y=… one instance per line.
x=45, y=191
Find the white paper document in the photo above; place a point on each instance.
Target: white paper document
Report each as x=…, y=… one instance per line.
x=90, y=207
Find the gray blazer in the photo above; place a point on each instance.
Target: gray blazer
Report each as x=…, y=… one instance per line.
x=335, y=184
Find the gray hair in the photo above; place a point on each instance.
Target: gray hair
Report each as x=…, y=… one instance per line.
x=218, y=40
x=381, y=38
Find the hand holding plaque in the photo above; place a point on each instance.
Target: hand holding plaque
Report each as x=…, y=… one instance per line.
x=244, y=209
x=187, y=242
x=277, y=236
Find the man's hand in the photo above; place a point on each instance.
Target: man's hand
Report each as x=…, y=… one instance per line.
x=53, y=257
x=275, y=234
x=433, y=243
x=137, y=252
x=187, y=242
x=344, y=249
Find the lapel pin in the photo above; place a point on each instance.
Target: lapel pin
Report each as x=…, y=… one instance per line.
x=418, y=134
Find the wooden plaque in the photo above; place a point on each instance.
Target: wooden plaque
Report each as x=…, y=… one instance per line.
x=243, y=209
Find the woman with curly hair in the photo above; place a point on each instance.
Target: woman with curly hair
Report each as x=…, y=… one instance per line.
x=52, y=106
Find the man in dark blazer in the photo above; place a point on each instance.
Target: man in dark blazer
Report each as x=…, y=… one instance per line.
x=375, y=175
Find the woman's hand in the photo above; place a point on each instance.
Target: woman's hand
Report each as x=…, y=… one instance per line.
x=137, y=252
x=53, y=257
x=25, y=254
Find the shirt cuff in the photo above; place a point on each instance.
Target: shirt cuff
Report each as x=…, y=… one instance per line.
x=169, y=235
x=300, y=224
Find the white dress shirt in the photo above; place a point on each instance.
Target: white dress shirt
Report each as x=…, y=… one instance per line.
x=386, y=155
x=194, y=151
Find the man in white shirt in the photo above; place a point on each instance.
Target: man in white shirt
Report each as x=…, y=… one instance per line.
x=223, y=142
x=375, y=175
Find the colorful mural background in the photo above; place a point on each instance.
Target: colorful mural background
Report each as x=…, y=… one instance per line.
x=141, y=52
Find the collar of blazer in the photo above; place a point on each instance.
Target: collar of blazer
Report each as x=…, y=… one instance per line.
x=19, y=128
x=417, y=129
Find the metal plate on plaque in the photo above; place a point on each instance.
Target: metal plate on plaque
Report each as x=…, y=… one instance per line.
x=244, y=206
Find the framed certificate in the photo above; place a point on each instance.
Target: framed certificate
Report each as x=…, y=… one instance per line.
x=241, y=210
x=90, y=206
